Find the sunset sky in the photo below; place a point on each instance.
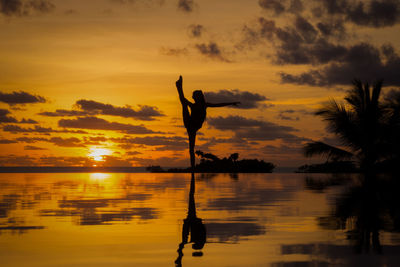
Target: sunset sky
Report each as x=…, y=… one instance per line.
x=86, y=83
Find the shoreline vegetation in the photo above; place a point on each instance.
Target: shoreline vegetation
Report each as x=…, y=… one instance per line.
x=210, y=163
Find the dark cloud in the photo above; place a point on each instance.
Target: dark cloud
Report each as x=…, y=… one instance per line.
x=33, y=148
x=4, y=112
x=285, y=117
x=65, y=113
x=90, y=107
x=64, y=161
x=247, y=99
x=362, y=61
x=279, y=7
x=300, y=44
x=4, y=118
x=21, y=229
x=195, y=30
x=211, y=50
x=174, y=143
x=306, y=29
x=304, y=44
x=58, y=141
x=369, y=13
x=186, y=5
x=144, y=112
x=296, y=6
x=21, y=97
x=375, y=13
x=335, y=6
x=133, y=153
x=25, y=7
x=251, y=129
x=112, y=161
x=28, y=121
x=174, y=51
x=293, y=115
x=306, y=49
x=320, y=40
x=7, y=141
x=30, y=140
x=274, y=5
x=36, y=129
x=309, y=78
x=66, y=142
x=93, y=123
x=14, y=160
x=333, y=27
x=95, y=139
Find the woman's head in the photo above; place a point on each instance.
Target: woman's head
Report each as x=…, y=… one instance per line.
x=198, y=96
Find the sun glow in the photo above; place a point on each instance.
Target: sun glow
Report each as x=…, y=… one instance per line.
x=98, y=153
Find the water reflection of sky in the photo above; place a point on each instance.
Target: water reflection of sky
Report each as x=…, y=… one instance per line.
x=136, y=219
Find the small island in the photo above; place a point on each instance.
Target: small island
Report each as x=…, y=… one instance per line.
x=210, y=163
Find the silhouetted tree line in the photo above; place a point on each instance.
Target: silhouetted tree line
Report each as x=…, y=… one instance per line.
x=210, y=163
x=368, y=128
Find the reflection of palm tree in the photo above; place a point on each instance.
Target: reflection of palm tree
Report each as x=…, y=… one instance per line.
x=364, y=210
x=363, y=205
x=363, y=125
x=193, y=226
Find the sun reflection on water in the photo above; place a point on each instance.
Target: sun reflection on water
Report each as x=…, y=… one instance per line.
x=99, y=176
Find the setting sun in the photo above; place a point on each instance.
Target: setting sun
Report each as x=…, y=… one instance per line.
x=98, y=153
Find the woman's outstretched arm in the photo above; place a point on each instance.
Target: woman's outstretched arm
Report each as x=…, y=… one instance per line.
x=217, y=105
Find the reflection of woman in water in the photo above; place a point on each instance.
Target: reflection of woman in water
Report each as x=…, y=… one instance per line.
x=194, y=120
x=193, y=226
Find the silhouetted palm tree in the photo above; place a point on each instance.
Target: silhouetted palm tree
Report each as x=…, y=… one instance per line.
x=234, y=157
x=363, y=124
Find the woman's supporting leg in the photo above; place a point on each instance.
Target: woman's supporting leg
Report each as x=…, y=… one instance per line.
x=192, y=141
x=185, y=115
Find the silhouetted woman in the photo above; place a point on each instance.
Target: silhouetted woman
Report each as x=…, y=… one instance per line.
x=194, y=119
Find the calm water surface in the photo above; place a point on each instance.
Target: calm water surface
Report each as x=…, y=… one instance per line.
x=229, y=220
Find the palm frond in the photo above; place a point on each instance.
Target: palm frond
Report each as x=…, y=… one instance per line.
x=331, y=152
x=376, y=91
x=356, y=96
x=341, y=122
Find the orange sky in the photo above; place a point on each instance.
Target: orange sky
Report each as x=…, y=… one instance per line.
x=109, y=67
